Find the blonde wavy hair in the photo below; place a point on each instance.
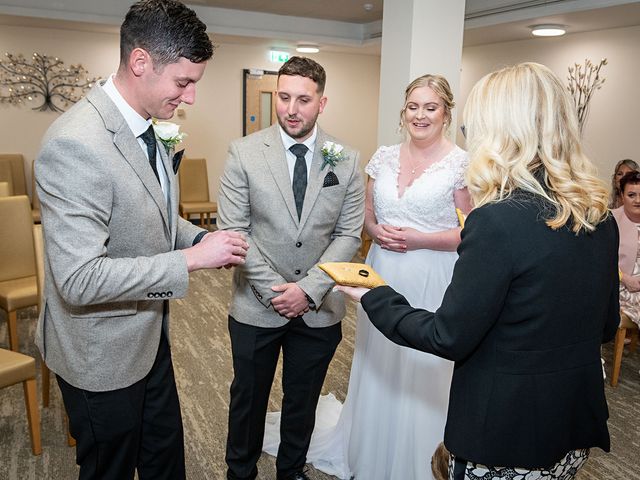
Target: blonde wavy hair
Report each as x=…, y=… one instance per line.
x=520, y=121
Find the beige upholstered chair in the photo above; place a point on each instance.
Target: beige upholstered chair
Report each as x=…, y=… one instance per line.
x=16, y=167
x=626, y=328
x=18, y=283
x=6, y=179
x=5, y=189
x=16, y=368
x=38, y=242
x=194, y=190
x=35, y=201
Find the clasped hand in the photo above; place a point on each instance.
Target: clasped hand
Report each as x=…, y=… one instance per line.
x=396, y=239
x=292, y=302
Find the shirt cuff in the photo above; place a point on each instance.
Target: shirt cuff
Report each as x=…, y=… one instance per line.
x=199, y=237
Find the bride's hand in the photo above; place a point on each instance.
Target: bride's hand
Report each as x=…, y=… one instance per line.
x=390, y=238
x=355, y=293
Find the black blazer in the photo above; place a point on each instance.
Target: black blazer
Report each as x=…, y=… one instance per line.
x=523, y=318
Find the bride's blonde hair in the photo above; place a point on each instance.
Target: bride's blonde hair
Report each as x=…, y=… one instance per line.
x=520, y=120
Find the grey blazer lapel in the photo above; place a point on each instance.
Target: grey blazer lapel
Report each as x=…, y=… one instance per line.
x=276, y=159
x=128, y=146
x=316, y=178
x=173, y=193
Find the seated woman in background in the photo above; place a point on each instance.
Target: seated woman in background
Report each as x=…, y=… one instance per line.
x=622, y=168
x=534, y=291
x=628, y=218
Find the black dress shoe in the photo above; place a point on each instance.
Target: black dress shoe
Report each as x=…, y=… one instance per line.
x=301, y=475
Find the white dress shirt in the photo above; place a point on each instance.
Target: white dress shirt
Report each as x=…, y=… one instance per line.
x=138, y=126
x=291, y=158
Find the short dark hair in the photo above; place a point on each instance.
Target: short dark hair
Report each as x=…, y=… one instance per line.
x=305, y=67
x=167, y=29
x=630, y=178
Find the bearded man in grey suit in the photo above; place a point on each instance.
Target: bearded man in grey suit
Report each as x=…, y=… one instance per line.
x=116, y=250
x=298, y=208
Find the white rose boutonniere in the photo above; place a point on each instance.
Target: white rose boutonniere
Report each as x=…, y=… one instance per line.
x=168, y=133
x=332, y=153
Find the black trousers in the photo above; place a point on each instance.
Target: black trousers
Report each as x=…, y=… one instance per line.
x=307, y=353
x=136, y=427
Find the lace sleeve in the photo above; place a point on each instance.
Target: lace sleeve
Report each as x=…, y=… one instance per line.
x=373, y=167
x=460, y=165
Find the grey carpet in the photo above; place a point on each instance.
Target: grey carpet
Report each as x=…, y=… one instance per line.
x=202, y=364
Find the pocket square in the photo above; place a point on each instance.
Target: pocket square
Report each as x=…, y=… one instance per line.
x=352, y=274
x=177, y=158
x=330, y=179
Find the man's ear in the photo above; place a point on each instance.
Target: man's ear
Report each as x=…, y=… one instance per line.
x=139, y=61
x=323, y=103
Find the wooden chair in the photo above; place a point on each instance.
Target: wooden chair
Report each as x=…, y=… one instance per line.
x=5, y=189
x=626, y=328
x=18, y=282
x=16, y=368
x=38, y=242
x=194, y=190
x=16, y=166
x=35, y=201
x=6, y=179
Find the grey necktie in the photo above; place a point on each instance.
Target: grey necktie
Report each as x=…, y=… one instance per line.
x=299, y=183
x=149, y=138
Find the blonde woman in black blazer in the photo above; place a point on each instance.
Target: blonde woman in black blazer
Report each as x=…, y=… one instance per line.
x=533, y=295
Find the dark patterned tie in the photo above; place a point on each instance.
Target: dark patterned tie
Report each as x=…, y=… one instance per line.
x=299, y=175
x=149, y=138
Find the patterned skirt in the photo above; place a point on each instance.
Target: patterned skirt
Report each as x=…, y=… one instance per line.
x=565, y=469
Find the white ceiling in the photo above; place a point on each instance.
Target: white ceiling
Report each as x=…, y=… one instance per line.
x=336, y=25
x=340, y=10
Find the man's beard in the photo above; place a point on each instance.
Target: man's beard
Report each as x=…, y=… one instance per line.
x=304, y=131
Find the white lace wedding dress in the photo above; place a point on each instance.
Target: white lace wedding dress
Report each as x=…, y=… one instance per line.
x=396, y=406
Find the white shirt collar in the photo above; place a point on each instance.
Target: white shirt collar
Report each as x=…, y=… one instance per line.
x=136, y=122
x=288, y=142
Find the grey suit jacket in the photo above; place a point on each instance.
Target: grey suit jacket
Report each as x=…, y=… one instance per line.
x=110, y=248
x=256, y=198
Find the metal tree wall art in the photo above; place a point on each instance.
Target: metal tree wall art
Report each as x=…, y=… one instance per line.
x=23, y=80
x=584, y=80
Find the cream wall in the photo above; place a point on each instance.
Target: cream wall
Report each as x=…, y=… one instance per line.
x=611, y=131
x=216, y=117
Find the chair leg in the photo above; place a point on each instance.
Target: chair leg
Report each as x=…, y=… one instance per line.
x=12, y=326
x=202, y=220
x=33, y=414
x=634, y=340
x=618, y=346
x=46, y=380
x=70, y=440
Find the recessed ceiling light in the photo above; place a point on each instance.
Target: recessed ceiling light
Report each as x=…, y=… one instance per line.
x=307, y=48
x=548, y=30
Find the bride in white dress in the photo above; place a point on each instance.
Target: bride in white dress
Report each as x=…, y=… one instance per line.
x=396, y=406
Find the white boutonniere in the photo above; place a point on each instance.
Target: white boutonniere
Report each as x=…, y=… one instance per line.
x=332, y=153
x=168, y=133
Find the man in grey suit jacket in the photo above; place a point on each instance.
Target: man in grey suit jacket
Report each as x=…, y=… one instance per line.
x=116, y=250
x=297, y=210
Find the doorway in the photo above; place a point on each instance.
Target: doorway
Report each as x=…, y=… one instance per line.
x=259, y=100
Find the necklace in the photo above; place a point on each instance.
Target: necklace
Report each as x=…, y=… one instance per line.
x=413, y=166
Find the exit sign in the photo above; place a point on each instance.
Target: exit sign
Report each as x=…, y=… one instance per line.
x=278, y=56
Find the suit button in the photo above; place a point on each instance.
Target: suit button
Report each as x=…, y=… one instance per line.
x=156, y=294
x=297, y=272
x=149, y=295
x=298, y=244
x=169, y=293
x=162, y=295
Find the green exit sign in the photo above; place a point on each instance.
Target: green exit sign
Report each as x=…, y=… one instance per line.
x=278, y=56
